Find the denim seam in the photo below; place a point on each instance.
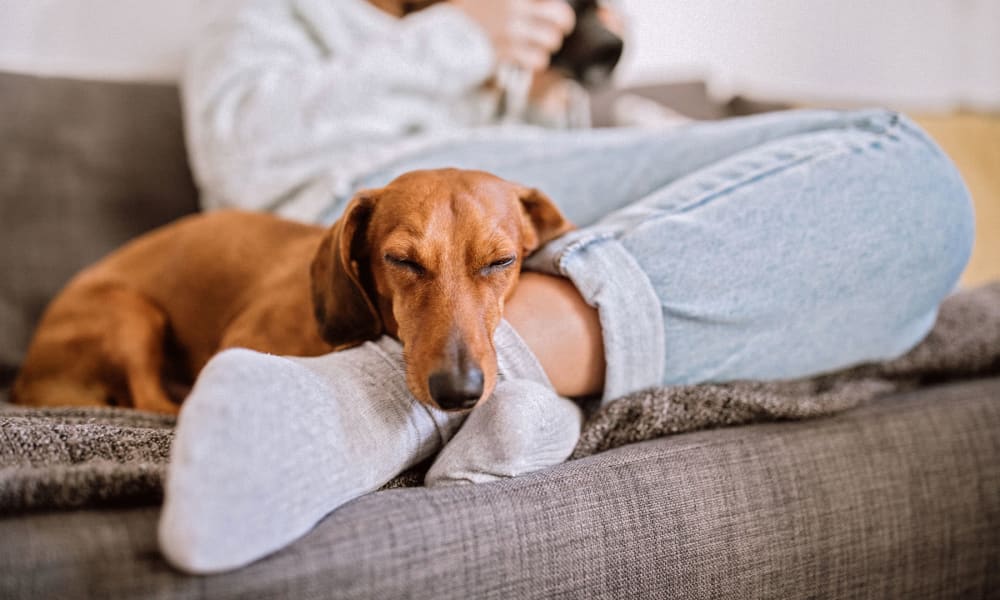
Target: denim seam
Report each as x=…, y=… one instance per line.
x=774, y=169
x=893, y=121
x=746, y=180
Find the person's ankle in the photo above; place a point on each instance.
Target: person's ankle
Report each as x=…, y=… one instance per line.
x=562, y=331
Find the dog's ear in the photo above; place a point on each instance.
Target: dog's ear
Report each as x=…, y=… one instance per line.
x=541, y=218
x=341, y=280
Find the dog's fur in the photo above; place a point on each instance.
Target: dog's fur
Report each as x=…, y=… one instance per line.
x=429, y=259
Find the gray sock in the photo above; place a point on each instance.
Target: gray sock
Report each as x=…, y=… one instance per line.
x=266, y=446
x=523, y=427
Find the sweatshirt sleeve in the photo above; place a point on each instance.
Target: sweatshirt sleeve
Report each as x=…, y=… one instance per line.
x=266, y=103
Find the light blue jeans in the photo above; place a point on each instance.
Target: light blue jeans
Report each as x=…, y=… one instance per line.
x=767, y=247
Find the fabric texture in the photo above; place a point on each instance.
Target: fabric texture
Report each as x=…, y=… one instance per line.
x=64, y=471
x=896, y=498
x=71, y=457
x=84, y=166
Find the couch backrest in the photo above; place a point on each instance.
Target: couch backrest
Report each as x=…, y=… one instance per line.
x=84, y=166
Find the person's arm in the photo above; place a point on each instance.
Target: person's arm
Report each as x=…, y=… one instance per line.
x=558, y=102
x=265, y=106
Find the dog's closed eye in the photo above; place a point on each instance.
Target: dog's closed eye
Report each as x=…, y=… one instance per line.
x=406, y=264
x=498, y=265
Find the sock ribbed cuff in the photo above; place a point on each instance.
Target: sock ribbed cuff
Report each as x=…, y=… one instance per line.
x=515, y=359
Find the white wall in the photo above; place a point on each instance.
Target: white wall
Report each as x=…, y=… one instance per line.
x=926, y=54
x=107, y=39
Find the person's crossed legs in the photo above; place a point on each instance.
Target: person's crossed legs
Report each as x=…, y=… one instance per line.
x=792, y=244
x=767, y=247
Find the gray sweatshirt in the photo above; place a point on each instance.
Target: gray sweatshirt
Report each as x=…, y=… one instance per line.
x=288, y=102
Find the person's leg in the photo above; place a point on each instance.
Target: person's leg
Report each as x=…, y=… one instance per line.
x=804, y=254
x=562, y=331
x=591, y=173
x=267, y=445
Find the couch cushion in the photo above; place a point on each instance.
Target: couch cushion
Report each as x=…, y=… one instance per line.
x=84, y=166
x=894, y=499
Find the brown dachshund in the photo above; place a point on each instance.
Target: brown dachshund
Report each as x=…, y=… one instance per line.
x=429, y=259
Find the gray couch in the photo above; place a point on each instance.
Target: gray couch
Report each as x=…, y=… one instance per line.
x=897, y=498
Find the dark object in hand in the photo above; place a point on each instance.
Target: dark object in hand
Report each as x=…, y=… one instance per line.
x=591, y=51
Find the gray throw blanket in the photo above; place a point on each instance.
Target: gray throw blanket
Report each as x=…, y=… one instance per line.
x=71, y=457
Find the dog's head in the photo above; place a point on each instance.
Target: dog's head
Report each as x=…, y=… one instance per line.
x=430, y=259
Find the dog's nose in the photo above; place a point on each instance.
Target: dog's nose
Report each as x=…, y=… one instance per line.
x=456, y=390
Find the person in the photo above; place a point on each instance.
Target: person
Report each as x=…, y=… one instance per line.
x=773, y=246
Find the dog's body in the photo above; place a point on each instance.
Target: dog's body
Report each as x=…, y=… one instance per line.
x=166, y=302
x=429, y=259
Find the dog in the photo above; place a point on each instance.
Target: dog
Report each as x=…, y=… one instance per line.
x=429, y=259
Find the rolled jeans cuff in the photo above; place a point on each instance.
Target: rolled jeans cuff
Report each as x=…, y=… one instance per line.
x=610, y=279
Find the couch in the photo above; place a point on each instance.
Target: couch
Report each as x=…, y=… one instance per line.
x=895, y=498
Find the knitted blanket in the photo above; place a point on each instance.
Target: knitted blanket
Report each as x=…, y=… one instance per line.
x=72, y=457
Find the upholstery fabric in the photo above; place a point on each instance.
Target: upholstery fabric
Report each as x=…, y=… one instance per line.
x=72, y=457
x=838, y=507
x=84, y=166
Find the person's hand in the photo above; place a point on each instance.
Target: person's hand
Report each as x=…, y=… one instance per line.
x=611, y=18
x=523, y=32
x=549, y=91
